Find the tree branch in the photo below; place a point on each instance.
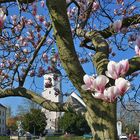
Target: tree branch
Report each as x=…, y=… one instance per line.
x=134, y=65
x=67, y=53
x=64, y=40
x=87, y=14
x=35, y=54
x=22, y=92
x=126, y=22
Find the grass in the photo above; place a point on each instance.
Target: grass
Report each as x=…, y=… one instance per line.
x=4, y=138
x=65, y=138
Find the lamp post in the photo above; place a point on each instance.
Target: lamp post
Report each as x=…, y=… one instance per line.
x=34, y=129
x=139, y=129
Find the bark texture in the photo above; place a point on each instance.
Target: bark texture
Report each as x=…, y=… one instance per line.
x=101, y=116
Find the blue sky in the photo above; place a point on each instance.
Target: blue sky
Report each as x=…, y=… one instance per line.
x=15, y=101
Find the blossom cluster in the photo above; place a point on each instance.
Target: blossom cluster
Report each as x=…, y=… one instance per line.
x=97, y=84
x=117, y=26
x=82, y=7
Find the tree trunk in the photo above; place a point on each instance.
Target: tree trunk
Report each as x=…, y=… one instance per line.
x=101, y=118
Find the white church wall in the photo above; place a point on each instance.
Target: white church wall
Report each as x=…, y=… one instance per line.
x=49, y=94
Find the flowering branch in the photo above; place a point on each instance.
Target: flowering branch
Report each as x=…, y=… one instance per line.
x=98, y=84
x=134, y=65
x=126, y=22
x=34, y=55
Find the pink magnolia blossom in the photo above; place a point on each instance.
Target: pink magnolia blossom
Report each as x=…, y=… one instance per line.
x=111, y=93
x=2, y=18
x=98, y=95
x=122, y=84
x=42, y=3
x=30, y=35
x=45, y=57
x=100, y=83
x=32, y=73
x=29, y=22
x=49, y=41
x=2, y=65
x=25, y=51
x=14, y=19
x=97, y=85
x=137, y=50
x=125, y=66
x=120, y=1
x=40, y=18
x=138, y=41
x=41, y=71
x=89, y=82
x=68, y=1
x=34, y=12
x=95, y=6
x=46, y=24
x=115, y=70
x=117, y=25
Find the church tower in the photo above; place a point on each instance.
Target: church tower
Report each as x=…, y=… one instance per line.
x=52, y=92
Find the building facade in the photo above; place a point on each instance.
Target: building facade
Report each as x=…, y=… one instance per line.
x=52, y=93
x=2, y=120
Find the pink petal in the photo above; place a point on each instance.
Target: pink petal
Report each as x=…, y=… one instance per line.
x=122, y=84
x=111, y=94
x=119, y=1
x=138, y=41
x=95, y=6
x=100, y=83
x=118, y=69
x=117, y=25
x=88, y=80
x=111, y=67
x=137, y=50
x=125, y=66
x=98, y=95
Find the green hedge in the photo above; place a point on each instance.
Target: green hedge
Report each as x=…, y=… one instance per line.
x=65, y=138
x=4, y=138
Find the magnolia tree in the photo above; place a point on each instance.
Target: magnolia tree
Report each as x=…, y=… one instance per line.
x=98, y=43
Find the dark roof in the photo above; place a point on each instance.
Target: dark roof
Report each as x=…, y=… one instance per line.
x=3, y=106
x=76, y=104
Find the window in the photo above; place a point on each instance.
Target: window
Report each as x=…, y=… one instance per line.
x=3, y=130
x=49, y=92
x=2, y=121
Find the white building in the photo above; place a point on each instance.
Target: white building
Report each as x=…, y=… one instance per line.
x=2, y=119
x=53, y=94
